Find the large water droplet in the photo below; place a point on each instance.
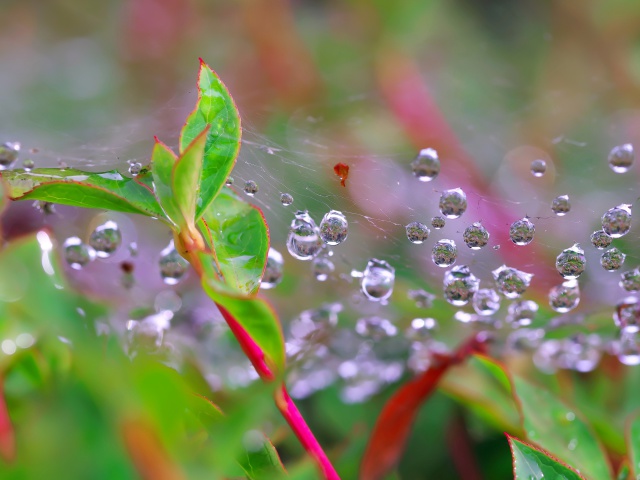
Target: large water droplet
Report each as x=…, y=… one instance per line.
x=522, y=312
x=375, y=328
x=522, y=231
x=486, y=302
x=538, y=168
x=322, y=268
x=378, y=280
x=616, y=222
x=621, y=158
x=475, y=236
x=438, y=222
x=334, y=228
x=571, y=262
x=600, y=239
x=511, y=282
x=426, y=166
x=627, y=315
x=172, y=265
x=421, y=329
x=8, y=154
x=286, y=199
x=565, y=297
x=460, y=285
x=304, y=240
x=444, y=253
x=135, y=168
x=417, y=232
x=453, y=203
x=76, y=253
x=612, y=259
x=273, y=271
x=106, y=239
x=630, y=281
x=561, y=205
x=422, y=298
x=250, y=188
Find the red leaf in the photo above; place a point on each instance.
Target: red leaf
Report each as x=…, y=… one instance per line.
x=394, y=423
x=341, y=170
x=7, y=437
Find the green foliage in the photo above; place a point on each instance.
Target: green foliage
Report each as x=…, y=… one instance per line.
x=530, y=463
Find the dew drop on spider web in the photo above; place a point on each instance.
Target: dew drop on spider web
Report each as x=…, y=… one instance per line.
x=522, y=231
x=621, y=158
x=273, y=271
x=422, y=298
x=106, y=238
x=9, y=152
x=511, y=282
x=630, y=281
x=616, y=222
x=323, y=267
x=460, y=285
x=334, y=228
x=76, y=253
x=564, y=297
x=600, y=239
x=538, y=168
x=417, y=232
x=612, y=259
x=571, y=262
x=304, y=240
x=135, y=168
x=486, y=301
x=250, y=188
x=378, y=280
x=561, y=205
x=444, y=253
x=28, y=164
x=172, y=265
x=626, y=315
x=453, y=203
x=375, y=328
x=426, y=165
x=475, y=236
x=438, y=222
x=521, y=313
x=286, y=199
x=421, y=329
x=627, y=349
x=229, y=181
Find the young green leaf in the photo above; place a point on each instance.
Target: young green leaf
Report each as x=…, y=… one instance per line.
x=105, y=190
x=533, y=463
x=633, y=444
x=239, y=237
x=262, y=461
x=186, y=177
x=214, y=108
x=163, y=160
x=561, y=430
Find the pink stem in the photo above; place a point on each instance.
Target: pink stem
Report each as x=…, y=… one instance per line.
x=295, y=420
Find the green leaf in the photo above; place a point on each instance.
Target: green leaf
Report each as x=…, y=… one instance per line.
x=106, y=190
x=262, y=462
x=253, y=316
x=238, y=234
x=163, y=160
x=186, y=177
x=215, y=107
x=549, y=422
x=532, y=463
x=633, y=444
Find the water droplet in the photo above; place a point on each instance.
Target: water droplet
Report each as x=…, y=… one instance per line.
x=334, y=228
x=250, y=188
x=522, y=312
x=600, y=239
x=417, y=232
x=273, y=271
x=378, y=280
x=522, y=231
x=229, y=181
x=475, y=236
x=486, y=302
x=106, y=239
x=422, y=298
x=453, y=203
x=630, y=281
x=612, y=259
x=444, y=253
x=135, y=168
x=565, y=297
x=76, y=253
x=511, y=282
x=8, y=154
x=437, y=222
x=627, y=315
x=286, y=199
x=538, y=168
x=616, y=222
x=460, y=285
x=322, y=268
x=28, y=164
x=304, y=240
x=628, y=350
x=375, y=328
x=147, y=334
x=621, y=158
x=421, y=329
x=561, y=205
x=571, y=262
x=172, y=265
x=426, y=166
x=47, y=208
